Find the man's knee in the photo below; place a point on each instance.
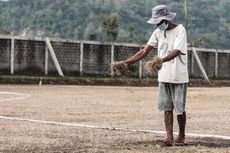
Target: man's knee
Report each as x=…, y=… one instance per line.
x=168, y=112
x=181, y=114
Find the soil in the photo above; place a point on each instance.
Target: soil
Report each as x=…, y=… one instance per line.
x=208, y=111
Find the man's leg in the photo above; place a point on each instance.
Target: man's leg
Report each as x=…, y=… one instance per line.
x=165, y=104
x=179, y=103
x=169, y=125
x=181, y=122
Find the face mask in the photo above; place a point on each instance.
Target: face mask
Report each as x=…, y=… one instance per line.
x=163, y=26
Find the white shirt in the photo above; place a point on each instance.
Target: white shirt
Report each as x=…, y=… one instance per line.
x=175, y=70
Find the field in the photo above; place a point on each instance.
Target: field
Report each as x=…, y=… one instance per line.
x=59, y=118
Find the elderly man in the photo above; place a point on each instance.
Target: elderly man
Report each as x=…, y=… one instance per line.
x=171, y=41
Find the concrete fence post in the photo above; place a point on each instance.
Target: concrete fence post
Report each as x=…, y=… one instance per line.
x=12, y=56
x=140, y=69
x=81, y=57
x=192, y=63
x=112, y=58
x=216, y=63
x=200, y=65
x=46, y=60
x=140, y=66
x=52, y=53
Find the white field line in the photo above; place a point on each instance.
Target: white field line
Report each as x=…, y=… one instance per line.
x=111, y=128
x=18, y=96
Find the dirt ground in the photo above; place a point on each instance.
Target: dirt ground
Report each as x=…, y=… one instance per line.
x=208, y=112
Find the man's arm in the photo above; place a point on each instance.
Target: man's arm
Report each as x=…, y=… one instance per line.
x=139, y=55
x=171, y=55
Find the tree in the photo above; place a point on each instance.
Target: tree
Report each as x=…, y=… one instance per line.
x=119, y=20
x=110, y=27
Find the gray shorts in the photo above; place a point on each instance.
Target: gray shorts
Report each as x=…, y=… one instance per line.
x=172, y=96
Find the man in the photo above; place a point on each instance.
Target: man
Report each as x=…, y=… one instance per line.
x=171, y=41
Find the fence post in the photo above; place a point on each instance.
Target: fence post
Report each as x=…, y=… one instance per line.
x=81, y=57
x=200, y=65
x=216, y=63
x=192, y=63
x=46, y=60
x=140, y=67
x=54, y=57
x=112, y=58
x=12, y=56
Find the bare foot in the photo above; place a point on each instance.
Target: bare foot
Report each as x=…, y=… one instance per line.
x=165, y=144
x=180, y=141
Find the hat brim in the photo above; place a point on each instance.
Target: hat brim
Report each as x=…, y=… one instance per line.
x=169, y=17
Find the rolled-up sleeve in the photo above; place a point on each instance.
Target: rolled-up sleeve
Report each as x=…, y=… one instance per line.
x=153, y=41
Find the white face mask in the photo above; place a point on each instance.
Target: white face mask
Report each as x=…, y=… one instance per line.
x=163, y=26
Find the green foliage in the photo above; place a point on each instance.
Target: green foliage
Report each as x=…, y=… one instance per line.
x=110, y=26
x=113, y=20
x=4, y=32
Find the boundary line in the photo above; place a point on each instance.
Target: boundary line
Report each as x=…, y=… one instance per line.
x=22, y=96
x=111, y=128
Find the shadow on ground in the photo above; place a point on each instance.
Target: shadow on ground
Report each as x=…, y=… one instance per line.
x=205, y=142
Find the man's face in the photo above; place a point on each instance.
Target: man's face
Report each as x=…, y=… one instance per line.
x=161, y=22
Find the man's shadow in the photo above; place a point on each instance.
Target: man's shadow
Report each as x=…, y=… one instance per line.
x=206, y=142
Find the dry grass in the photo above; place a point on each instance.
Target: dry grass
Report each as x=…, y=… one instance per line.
x=153, y=65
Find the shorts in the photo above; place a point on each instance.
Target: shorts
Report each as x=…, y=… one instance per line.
x=172, y=96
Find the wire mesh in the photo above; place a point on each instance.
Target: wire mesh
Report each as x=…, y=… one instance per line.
x=5, y=56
